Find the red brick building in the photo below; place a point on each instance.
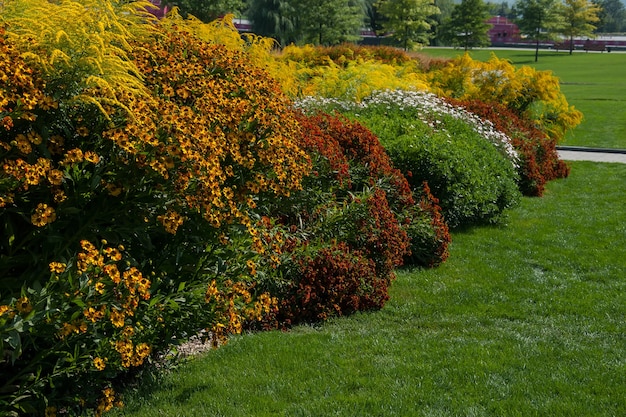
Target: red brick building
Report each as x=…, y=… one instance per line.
x=503, y=31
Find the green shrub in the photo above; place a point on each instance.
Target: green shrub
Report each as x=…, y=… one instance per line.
x=473, y=182
x=539, y=158
x=470, y=167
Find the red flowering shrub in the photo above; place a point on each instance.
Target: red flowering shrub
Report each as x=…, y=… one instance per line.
x=335, y=280
x=355, y=146
x=354, y=222
x=539, y=159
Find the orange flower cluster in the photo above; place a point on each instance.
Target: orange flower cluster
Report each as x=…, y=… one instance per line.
x=216, y=128
x=102, y=267
x=107, y=402
x=20, y=91
x=171, y=221
x=234, y=306
x=132, y=355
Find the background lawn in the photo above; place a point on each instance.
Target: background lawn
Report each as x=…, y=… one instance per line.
x=595, y=83
x=524, y=319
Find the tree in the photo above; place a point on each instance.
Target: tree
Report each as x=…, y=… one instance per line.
x=579, y=17
x=373, y=18
x=326, y=22
x=539, y=20
x=409, y=21
x=467, y=25
x=274, y=19
x=501, y=9
x=207, y=10
x=612, y=17
x=445, y=7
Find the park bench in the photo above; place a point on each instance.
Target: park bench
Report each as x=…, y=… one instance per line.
x=594, y=46
x=561, y=46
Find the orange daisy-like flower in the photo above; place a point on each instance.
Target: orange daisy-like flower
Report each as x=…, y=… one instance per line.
x=24, y=306
x=171, y=221
x=117, y=318
x=92, y=157
x=73, y=156
x=99, y=363
x=113, y=189
x=55, y=177
x=43, y=215
x=113, y=273
x=82, y=131
x=57, y=267
x=99, y=287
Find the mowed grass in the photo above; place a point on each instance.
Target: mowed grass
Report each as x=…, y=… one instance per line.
x=594, y=83
x=524, y=319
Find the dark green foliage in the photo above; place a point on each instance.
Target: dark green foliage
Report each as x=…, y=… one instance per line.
x=466, y=26
x=472, y=180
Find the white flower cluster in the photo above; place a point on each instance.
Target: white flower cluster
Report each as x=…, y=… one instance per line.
x=429, y=108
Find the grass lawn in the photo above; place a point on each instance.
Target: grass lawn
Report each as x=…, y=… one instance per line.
x=524, y=319
x=595, y=83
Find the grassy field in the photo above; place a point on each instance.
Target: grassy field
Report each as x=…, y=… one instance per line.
x=595, y=83
x=524, y=319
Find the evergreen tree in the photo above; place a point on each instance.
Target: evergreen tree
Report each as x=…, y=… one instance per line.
x=467, y=25
x=327, y=22
x=445, y=7
x=410, y=21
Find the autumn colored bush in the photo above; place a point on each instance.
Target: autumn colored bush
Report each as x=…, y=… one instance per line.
x=335, y=280
x=354, y=222
x=539, y=158
x=529, y=93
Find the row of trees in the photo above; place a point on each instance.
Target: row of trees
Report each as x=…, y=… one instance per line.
x=412, y=22
x=612, y=16
x=539, y=20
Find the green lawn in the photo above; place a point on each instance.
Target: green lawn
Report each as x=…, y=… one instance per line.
x=595, y=83
x=524, y=319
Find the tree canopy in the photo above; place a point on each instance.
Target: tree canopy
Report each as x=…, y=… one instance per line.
x=409, y=21
x=321, y=22
x=612, y=16
x=467, y=25
x=579, y=17
x=540, y=20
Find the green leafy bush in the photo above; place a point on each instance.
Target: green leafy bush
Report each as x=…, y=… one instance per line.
x=539, y=159
x=470, y=167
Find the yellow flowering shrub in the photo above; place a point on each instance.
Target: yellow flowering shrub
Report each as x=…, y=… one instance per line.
x=528, y=92
x=89, y=35
x=348, y=72
x=260, y=50
x=126, y=197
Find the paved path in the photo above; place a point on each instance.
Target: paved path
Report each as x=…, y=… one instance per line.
x=573, y=153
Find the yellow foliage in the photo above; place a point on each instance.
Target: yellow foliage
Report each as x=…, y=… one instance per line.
x=528, y=92
x=348, y=78
x=260, y=50
x=79, y=45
